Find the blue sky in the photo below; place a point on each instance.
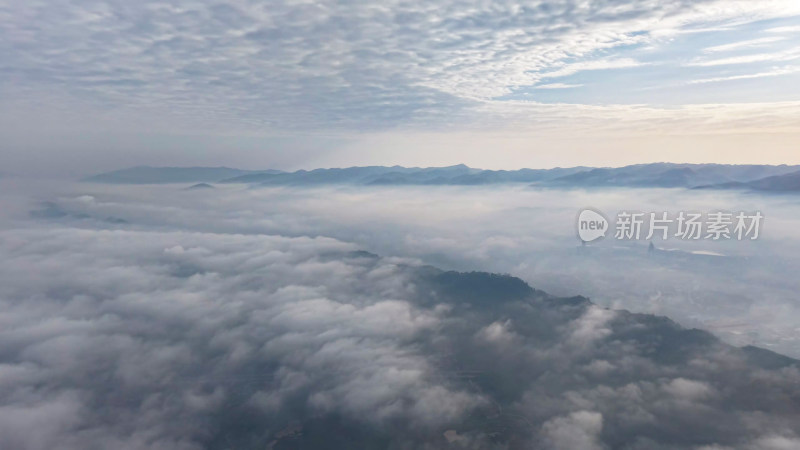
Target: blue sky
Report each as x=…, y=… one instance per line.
x=750, y=62
x=91, y=84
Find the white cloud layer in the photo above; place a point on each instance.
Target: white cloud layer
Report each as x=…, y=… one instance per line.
x=153, y=317
x=528, y=233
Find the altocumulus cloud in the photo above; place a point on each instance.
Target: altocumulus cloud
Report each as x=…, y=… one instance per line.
x=325, y=64
x=138, y=336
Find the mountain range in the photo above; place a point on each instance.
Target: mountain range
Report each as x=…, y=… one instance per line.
x=665, y=175
x=159, y=175
x=789, y=182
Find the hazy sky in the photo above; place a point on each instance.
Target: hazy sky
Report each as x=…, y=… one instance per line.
x=87, y=85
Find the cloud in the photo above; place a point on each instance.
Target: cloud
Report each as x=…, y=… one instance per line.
x=787, y=55
x=313, y=65
x=573, y=68
x=743, y=44
x=180, y=326
x=558, y=86
x=578, y=430
x=189, y=327
x=687, y=389
x=786, y=29
x=294, y=85
x=775, y=443
x=506, y=229
x=771, y=73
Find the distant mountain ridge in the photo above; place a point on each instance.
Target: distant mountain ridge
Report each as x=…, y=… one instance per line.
x=789, y=182
x=397, y=175
x=160, y=175
x=664, y=175
x=673, y=175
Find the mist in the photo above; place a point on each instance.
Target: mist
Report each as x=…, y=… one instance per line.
x=743, y=291
x=160, y=317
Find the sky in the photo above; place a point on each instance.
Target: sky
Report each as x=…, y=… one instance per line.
x=92, y=85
